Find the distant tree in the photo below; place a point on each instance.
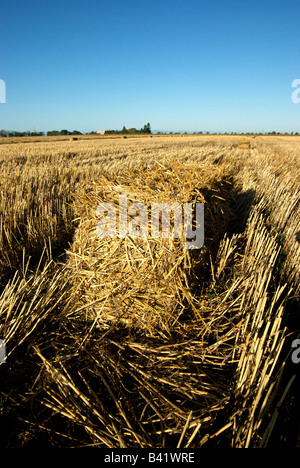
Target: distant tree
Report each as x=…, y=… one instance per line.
x=147, y=128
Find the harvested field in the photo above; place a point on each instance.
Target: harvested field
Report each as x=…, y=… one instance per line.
x=140, y=342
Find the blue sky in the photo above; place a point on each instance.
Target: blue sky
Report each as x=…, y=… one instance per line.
x=192, y=65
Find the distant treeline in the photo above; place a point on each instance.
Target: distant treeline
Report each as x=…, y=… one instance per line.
x=11, y=133
x=131, y=131
x=63, y=132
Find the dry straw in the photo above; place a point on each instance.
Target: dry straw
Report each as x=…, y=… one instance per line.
x=244, y=144
x=144, y=282
x=141, y=342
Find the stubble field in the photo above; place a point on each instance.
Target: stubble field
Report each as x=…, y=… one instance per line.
x=140, y=342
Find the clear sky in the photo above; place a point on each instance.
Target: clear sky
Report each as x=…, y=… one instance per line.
x=188, y=65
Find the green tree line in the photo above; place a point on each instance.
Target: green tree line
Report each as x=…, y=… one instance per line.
x=131, y=131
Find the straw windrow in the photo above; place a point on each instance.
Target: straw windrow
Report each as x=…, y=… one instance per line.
x=143, y=282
